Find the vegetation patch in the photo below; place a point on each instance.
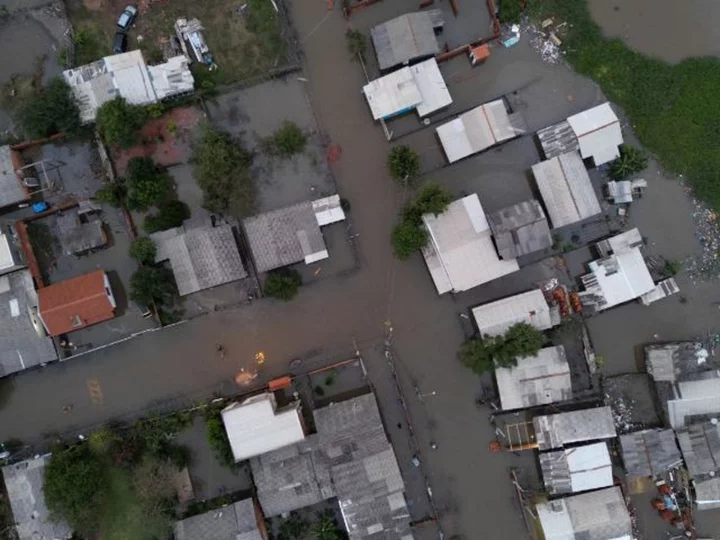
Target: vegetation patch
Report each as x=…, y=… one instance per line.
x=510, y=11
x=403, y=164
x=283, y=284
x=217, y=438
x=410, y=234
x=147, y=183
x=143, y=250
x=120, y=123
x=50, y=110
x=356, y=43
x=632, y=160
x=170, y=214
x=286, y=141
x=483, y=354
x=675, y=110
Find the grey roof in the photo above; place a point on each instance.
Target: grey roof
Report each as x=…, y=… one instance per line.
x=707, y=494
x=24, y=483
x=557, y=430
x=284, y=236
x=558, y=139
x=700, y=445
x=235, y=522
x=405, y=38
x=576, y=469
x=650, y=452
x=11, y=189
x=200, y=257
x=79, y=237
x=21, y=346
x=520, y=229
x=671, y=362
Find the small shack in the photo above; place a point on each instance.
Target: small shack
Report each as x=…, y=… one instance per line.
x=520, y=229
x=557, y=430
x=576, y=469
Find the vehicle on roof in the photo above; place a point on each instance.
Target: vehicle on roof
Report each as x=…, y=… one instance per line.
x=127, y=17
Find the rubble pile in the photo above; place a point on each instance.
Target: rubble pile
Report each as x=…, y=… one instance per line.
x=622, y=413
x=543, y=44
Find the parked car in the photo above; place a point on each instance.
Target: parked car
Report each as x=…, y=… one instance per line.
x=119, y=42
x=127, y=17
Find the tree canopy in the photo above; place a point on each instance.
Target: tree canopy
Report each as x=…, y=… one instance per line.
x=150, y=284
x=410, y=234
x=355, y=43
x=283, y=284
x=119, y=122
x=147, y=183
x=404, y=164
x=482, y=355
x=408, y=237
x=143, y=250
x=170, y=214
x=222, y=167
x=288, y=140
x=51, y=110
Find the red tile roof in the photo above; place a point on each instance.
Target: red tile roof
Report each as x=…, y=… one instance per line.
x=75, y=303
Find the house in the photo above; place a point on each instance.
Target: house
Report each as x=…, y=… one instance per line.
x=520, y=229
x=460, y=254
x=495, y=318
x=406, y=38
x=256, y=425
x=292, y=234
x=76, y=303
x=595, y=133
x=620, y=276
x=23, y=341
x=566, y=189
x=349, y=458
x=240, y=520
x=479, y=129
x=650, y=452
x=700, y=445
x=598, y=515
x=535, y=380
x=577, y=469
x=10, y=256
x=430, y=82
x=201, y=257
x=24, y=482
x=80, y=230
x=126, y=75
x=12, y=189
x=557, y=430
x=693, y=400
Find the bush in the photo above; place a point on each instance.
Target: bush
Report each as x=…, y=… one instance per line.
x=218, y=440
x=170, y=214
x=150, y=284
x=283, y=284
x=143, y=250
x=286, y=141
x=404, y=164
x=632, y=160
x=120, y=122
x=112, y=193
x=147, y=183
x=51, y=110
x=355, y=43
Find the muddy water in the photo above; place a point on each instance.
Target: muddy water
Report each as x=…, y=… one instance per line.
x=36, y=43
x=671, y=30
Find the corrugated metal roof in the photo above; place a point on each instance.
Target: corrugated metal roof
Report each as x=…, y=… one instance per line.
x=566, y=189
x=530, y=307
x=235, y=522
x=476, y=130
x=670, y=361
x=536, y=380
x=694, y=398
x=520, y=229
x=430, y=82
x=557, y=430
x=328, y=210
x=576, y=469
x=650, y=452
x=617, y=279
x=11, y=189
x=707, y=494
x=700, y=445
x=598, y=132
x=558, y=139
x=392, y=94
x=172, y=77
x=78, y=237
x=405, y=38
x=461, y=243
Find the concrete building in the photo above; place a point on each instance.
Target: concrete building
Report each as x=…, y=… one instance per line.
x=581, y=468
x=479, y=129
x=200, y=256
x=406, y=38
x=10, y=256
x=241, y=520
x=650, y=452
x=460, y=254
x=700, y=445
x=566, y=189
x=256, y=426
x=520, y=229
x=24, y=482
x=557, y=430
x=535, y=380
x=495, y=318
x=12, y=190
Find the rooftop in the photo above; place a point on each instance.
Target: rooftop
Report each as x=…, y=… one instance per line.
x=670, y=362
x=11, y=189
x=520, y=229
x=237, y=521
x=24, y=483
x=650, y=452
x=558, y=139
x=10, y=259
x=460, y=254
x=700, y=445
x=78, y=236
x=598, y=132
x=576, y=469
x=23, y=342
x=405, y=38
x=392, y=94
x=430, y=82
x=256, y=426
x=536, y=380
x=557, y=430
x=200, y=257
x=497, y=317
x=599, y=515
x=566, y=189
x=694, y=400
x=479, y=129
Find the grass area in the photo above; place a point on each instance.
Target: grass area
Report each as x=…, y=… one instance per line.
x=43, y=244
x=244, y=43
x=675, y=110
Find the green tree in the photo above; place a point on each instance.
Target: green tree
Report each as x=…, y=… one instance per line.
x=523, y=340
x=326, y=527
x=143, y=250
x=112, y=193
x=482, y=355
x=170, y=214
x=407, y=237
x=477, y=354
x=509, y=11
x=404, y=164
x=286, y=141
x=51, y=110
x=222, y=167
x=355, y=43
x=282, y=283
x=432, y=199
x=632, y=160
x=76, y=488
x=119, y=122
x=294, y=527
x=217, y=438
x=150, y=284
x=147, y=183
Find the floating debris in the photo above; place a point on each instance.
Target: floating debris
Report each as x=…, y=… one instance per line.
x=706, y=266
x=546, y=43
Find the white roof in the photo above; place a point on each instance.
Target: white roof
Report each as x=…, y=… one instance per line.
x=460, y=254
x=255, y=426
x=598, y=132
x=328, y=210
x=625, y=241
x=535, y=380
x=432, y=87
x=495, y=318
x=172, y=78
x=6, y=256
x=700, y=397
x=620, y=278
x=476, y=130
x=589, y=466
x=132, y=77
x=566, y=189
x=392, y=94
